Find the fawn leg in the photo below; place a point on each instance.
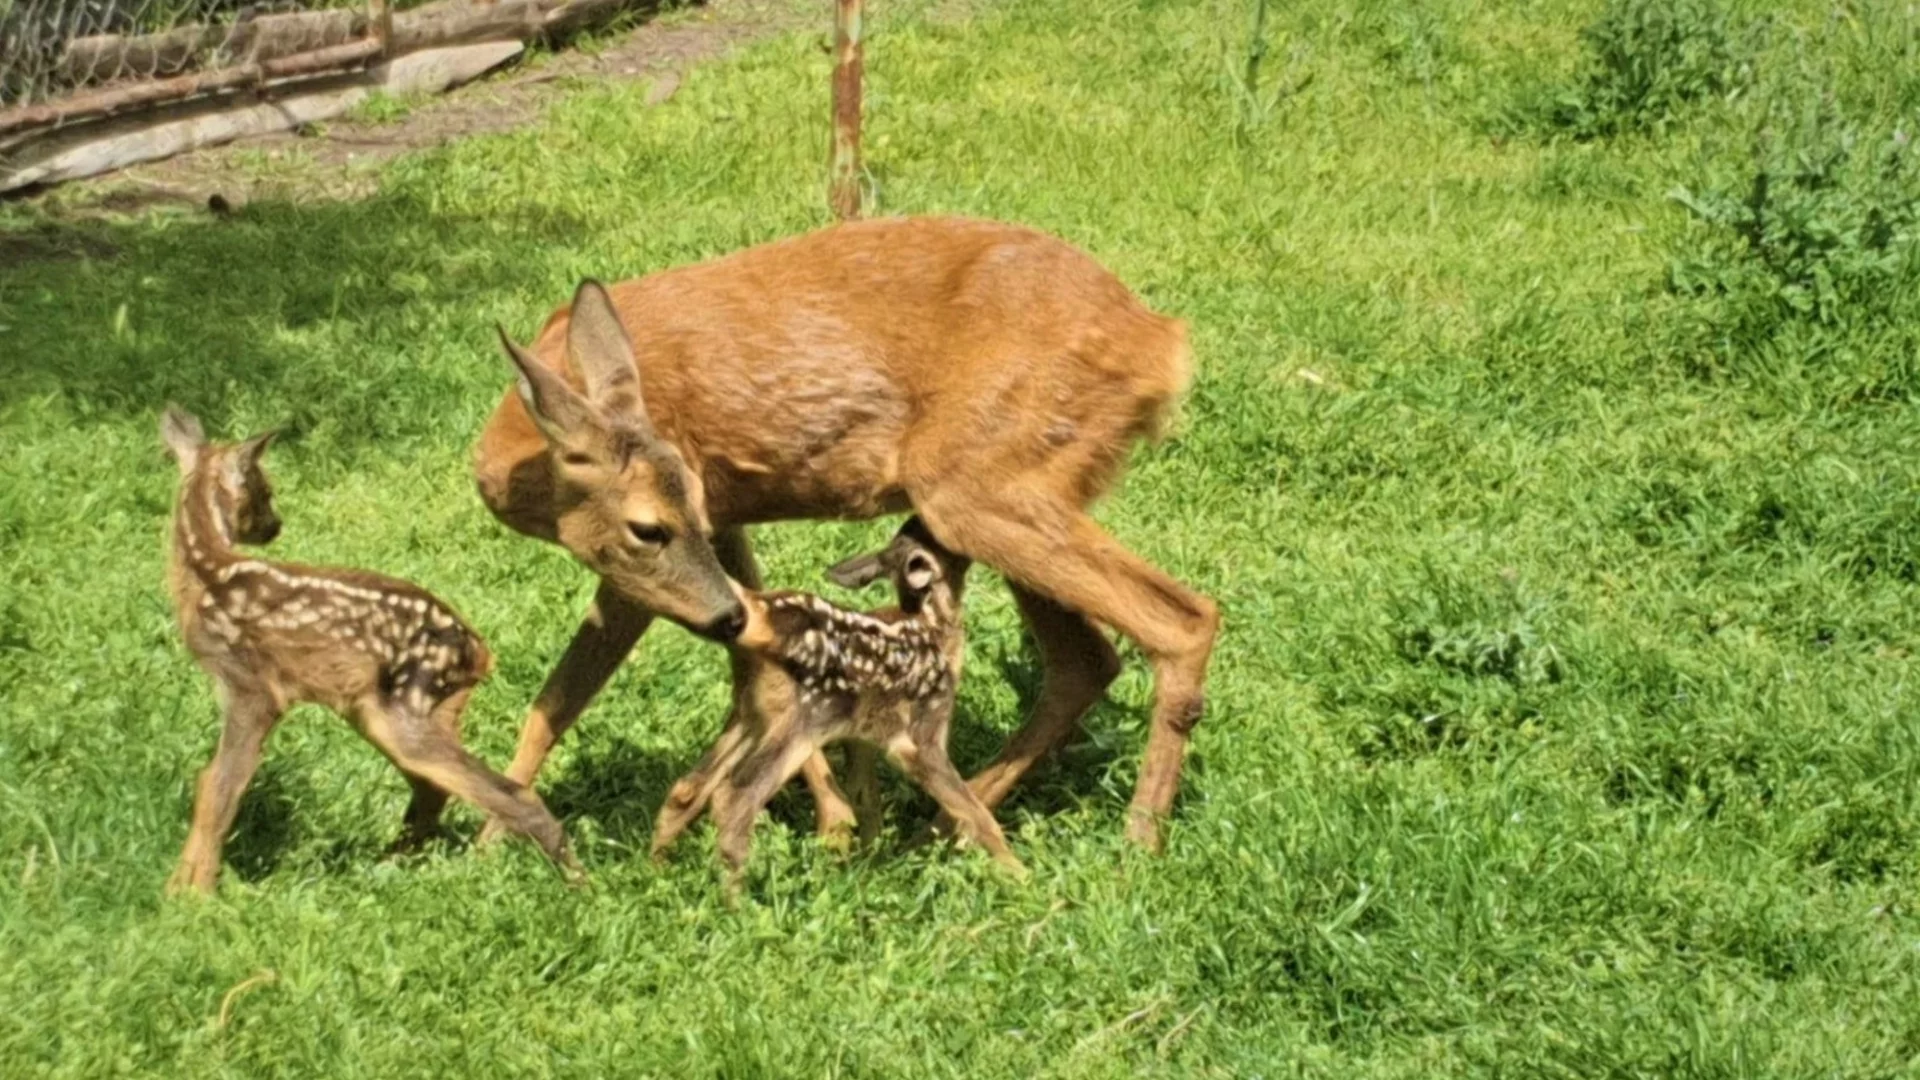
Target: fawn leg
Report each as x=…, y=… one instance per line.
x=925, y=761
x=1077, y=665
x=422, y=820
x=863, y=782
x=1051, y=547
x=833, y=817
x=420, y=747
x=692, y=792
x=738, y=801
x=250, y=716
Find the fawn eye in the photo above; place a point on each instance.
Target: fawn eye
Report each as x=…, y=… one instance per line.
x=651, y=535
x=576, y=460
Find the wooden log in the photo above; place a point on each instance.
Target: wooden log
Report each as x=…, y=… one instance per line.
x=108, y=57
x=434, y=25
x=117, y=144
x=180, y=87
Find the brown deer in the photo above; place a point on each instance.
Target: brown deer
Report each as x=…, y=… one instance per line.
x=394, y=659
x=817, y=673
x=990, y=378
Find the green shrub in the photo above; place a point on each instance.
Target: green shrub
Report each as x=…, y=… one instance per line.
x=1646, y=62
x=1822, y=227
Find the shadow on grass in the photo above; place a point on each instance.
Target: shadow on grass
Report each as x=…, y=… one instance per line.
x=270, y=306
x=621, y=784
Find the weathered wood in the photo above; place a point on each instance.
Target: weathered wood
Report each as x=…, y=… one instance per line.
x=337, y=58
x=107, y=57
x=843, y=186
x=435, y=25
x=117, y=144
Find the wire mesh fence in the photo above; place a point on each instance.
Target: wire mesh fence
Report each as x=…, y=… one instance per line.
x=52, y=48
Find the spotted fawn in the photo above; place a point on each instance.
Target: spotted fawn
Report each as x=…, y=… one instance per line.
x=391, y=658
x=812, y=673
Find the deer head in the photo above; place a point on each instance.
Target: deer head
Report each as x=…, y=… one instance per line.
x=627, y=506
x=229, y=477
x=916, y=563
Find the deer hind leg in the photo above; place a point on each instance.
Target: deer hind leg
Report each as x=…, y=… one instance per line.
x=424, y=748
x=738, y=801
x=250, y=717
x=926, y=762
x=833, y=816
x=1054, y=549
x=1077, y=665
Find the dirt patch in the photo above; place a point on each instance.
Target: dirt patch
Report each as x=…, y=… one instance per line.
x=340, y=160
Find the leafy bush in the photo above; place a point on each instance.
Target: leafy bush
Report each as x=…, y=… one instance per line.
x=1823, y=227
x=1646, y=61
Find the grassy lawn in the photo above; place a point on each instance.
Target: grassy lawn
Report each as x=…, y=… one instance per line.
x=1564, y=722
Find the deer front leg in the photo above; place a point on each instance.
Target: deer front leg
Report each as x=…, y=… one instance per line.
x=692, y=792
x=250, y=716
x=612, y=627
x=833, y=817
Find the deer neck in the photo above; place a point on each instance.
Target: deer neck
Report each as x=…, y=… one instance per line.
x=202, y=542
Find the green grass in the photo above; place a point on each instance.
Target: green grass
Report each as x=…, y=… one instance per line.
x=1563, y=724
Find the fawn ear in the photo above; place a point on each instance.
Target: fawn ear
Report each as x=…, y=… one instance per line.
x=182, y=433
x=600, y=349
x=557, y=411
x=920, y=572
x=857, y=572
x=249, y=452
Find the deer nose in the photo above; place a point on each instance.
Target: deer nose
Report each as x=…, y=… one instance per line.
x=727, y=627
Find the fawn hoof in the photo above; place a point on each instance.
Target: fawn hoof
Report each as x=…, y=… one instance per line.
x=491, y=833
x=836, y=828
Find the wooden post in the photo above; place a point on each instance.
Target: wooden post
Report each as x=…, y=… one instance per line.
x=380, y=23
x=843, y=190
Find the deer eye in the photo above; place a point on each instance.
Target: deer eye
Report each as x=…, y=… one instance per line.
x=649, y=534
x=576, y=460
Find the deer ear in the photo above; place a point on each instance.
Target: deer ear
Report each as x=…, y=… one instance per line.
x=600, y=349
x=557, y=411
x=182, y=433
x=251, y=450
x=920, y=571
x=856, y=573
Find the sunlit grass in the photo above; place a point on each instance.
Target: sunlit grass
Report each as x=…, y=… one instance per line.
x=1562, y=724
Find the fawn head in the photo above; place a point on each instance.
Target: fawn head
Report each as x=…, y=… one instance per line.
x=628, y=505
x=918, y=565
x=236, y=488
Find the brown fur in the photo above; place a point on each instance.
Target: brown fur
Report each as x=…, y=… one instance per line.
x=816, y=673
x=991, y=378
x=390, y=656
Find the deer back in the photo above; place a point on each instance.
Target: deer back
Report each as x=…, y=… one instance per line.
x=801, y=378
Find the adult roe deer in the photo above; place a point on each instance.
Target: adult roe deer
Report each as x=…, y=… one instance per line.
x=990, y=378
